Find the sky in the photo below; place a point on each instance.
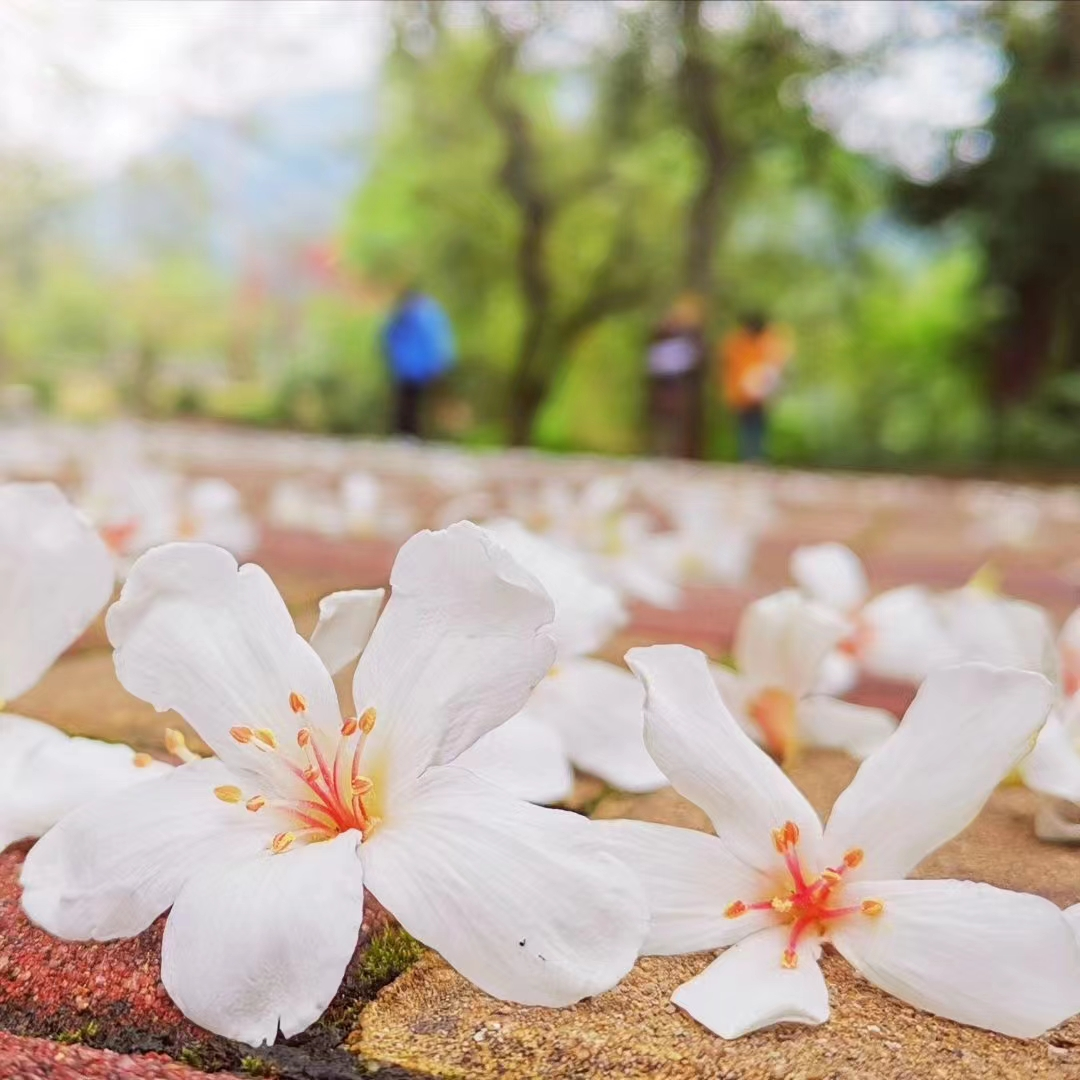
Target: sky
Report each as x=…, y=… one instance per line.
x=91, y=84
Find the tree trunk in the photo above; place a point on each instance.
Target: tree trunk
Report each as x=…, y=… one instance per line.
x=698, y=83
x=520, y=180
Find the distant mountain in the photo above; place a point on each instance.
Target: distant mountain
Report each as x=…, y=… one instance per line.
x=239, y=191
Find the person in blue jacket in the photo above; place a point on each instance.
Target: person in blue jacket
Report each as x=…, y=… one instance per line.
x=418, y=343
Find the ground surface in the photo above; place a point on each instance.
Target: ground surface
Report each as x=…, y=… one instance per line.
x=85, y=999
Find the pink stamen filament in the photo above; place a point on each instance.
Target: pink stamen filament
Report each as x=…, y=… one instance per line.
x=804, y=906
x=336, y=804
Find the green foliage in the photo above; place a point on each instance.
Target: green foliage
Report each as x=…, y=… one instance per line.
x=934, y=324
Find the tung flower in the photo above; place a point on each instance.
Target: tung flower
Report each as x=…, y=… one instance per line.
x=586, y=712
x=780, y=645
x=264, y=854
x=897, y=634
x=55, y=576
x=772, y=885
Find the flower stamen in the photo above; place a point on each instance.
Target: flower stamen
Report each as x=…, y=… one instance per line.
x=806, y=905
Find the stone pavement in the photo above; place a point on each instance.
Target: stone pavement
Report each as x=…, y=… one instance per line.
x=64, y=1007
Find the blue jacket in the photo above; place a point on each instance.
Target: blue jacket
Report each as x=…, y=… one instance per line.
x=418, y=341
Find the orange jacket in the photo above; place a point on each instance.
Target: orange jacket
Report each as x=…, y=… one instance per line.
x=750, y=365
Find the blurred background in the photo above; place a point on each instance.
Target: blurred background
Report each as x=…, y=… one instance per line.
x=588, y=214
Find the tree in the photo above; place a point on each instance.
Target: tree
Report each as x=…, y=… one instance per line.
x=1020, y=199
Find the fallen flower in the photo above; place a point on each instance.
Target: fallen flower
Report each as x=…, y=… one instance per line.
x=264, y=854
x=772, y=886
x=897, y=634
x=585, y=712
x=55, y=575
x=781, y=642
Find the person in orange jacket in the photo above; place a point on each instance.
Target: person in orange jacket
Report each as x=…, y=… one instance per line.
x=752, y=360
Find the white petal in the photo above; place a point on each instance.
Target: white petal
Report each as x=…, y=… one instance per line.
x=1072, y=917
x=783, y=639
x=55, y=575
x=998, y=630
x=1054, y=821
x=112, y=866
x=525, y=758
x=689, y=878
x=44, y=774
x=839, y=674
x=701, y=749
x=905, y=638
x=967, y=727
x=831, y=574
x=598, y=710
x=217, y=644
x=264, y=943
x=839, y=725
x=346, y=620
x=970, y=952
x=1053, y=766
x=747, y=988
x=521, y=900
x=587, y=611
x=460, y=645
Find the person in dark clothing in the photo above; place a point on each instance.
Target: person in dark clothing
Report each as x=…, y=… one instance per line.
x=675, y=372
x=418, y=343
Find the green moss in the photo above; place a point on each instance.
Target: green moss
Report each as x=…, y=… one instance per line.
x=87, y=1033
x=190, y=1055
x=257, y=1066
x=388, y=956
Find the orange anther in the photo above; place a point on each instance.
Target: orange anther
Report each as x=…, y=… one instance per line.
x=228, y=793
x=367, y=721
x=734, y=910
x=790, y=959
x=303, y=736
x=361, y=785
x=256, y=803
x=830, y=876
x=141, y=761
x=350, y=727
x=282, y=842
x=297, y=702
x=786, y=837
x=872, y=907
x=311, y=773
x=853, y=858
x=242, y=734
x=266, y=737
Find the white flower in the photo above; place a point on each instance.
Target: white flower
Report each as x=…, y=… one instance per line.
x=55, y=576
x=897, y=634
x=586, y=712
x=780, y=645
x=264, y=854
x=136, y=505
x=772, y=885
x=620, y=544
x=367, y=512
x=715, y=530
x=984, y=625
x=213, y=512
